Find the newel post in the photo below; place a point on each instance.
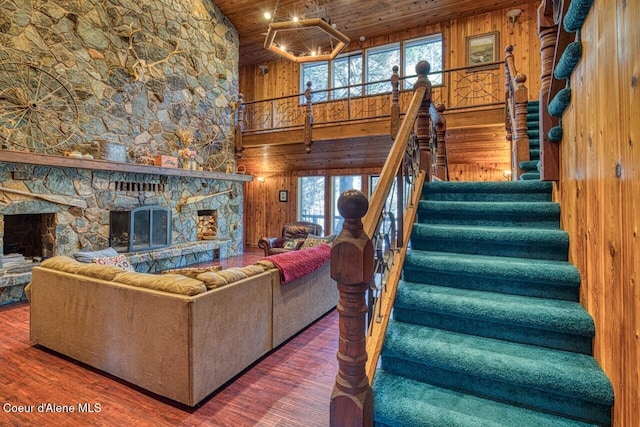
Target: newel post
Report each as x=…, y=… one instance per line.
x=308, y=119
x=239, y=126
x=395, y=102
x=352, y=268
x=423, y=122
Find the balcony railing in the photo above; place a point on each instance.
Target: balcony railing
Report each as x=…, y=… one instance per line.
x=461, y=88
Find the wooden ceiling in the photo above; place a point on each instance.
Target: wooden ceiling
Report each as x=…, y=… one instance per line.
x=354, y=18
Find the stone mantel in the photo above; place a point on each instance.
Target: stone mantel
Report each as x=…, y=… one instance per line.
x=104, y=165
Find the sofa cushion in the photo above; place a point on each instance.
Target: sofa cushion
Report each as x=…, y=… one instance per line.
x=62, y=263
x=192, y=272
x=293, y=243
x=88, y=256
x=120, y=261
x=312, y=241
x=268, y=265
x=173, y=283
x=212, y=280
x=252, y=270
x=99, y=271
x=232, y=274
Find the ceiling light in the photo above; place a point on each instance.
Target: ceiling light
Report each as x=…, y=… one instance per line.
x=299, y=36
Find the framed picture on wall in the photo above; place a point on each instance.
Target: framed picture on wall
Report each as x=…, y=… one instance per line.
x=483, y=49
x=283, y=196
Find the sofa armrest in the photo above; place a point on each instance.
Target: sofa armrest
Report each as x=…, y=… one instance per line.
x=268, y=243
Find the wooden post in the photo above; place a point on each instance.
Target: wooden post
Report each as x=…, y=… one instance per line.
x=507, y=99
x=442, y=166
x=239, y=126
x=548, y=35
x=423, y=122
x=308, y=119
x=352, y=268
x=395, y=102
x=521, y=98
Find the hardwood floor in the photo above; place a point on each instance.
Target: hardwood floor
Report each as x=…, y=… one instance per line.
x=291, y=386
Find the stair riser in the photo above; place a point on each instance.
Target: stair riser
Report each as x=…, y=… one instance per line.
x=519, y=394
x=490, y=284
x=507, y=332
x=549, y=251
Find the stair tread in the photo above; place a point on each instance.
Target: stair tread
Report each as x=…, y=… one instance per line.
x=488, y=186
x=402, y=401
x=529, y=165
x=530, y=176
x=488, y=208
x=539, y=313
x=560, y=372
x=560, y=273
x=514, y=235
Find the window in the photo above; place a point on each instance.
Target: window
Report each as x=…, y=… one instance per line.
x=340, y=184
x=318, y=74
x=380, y=62
x=311, y=199
x=423, y=49
x=346, y=71
x=375, y=65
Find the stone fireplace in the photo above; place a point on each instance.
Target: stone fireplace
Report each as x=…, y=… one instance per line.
x=143, y=228
x=188, y=217
x=30, y=235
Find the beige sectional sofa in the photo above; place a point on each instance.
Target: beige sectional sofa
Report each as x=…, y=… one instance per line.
x=179, y=346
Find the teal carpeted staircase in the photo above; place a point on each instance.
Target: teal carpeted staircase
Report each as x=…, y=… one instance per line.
x=530, y=167
x=487, y=329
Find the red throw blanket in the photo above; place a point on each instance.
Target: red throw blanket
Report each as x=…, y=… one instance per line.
x=296, y=264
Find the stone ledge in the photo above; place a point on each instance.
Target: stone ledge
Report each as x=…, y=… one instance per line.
x=12, y=287
x=179, y=255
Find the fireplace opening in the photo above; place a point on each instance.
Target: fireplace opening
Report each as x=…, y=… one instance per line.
x=207, y=224
x=146, y=227
x=27, y=238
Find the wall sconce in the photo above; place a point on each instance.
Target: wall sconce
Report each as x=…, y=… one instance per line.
x=260, y=179
x=513, y=15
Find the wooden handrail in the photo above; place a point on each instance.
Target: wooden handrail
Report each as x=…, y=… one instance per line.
x=352, y=267
x=516, y=98
x=388, y=173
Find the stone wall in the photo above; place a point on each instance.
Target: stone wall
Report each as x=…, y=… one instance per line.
x=130, y=75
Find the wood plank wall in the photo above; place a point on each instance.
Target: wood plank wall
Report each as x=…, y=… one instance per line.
x=599, y=192
x=264, y=214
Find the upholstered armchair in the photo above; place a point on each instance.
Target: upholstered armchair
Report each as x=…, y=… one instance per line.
x=293, y=235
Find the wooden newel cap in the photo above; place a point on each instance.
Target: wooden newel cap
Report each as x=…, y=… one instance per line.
x=353, y=204
x=423, y=68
